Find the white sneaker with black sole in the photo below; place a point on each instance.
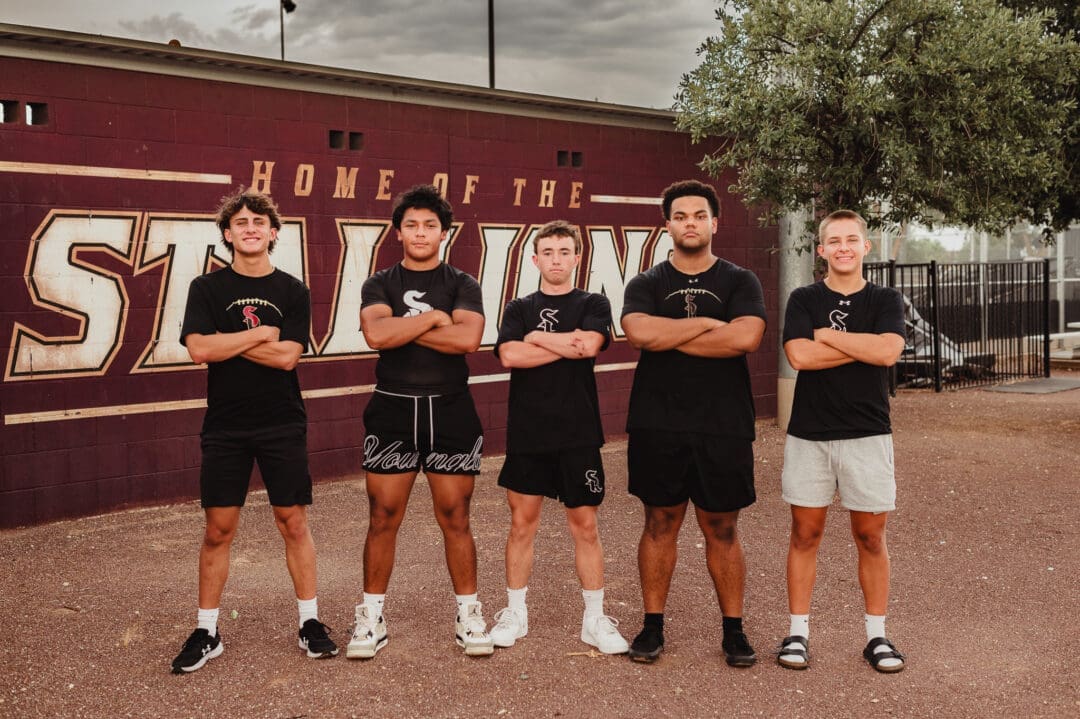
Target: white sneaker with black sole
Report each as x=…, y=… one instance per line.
x=369, y=634
x=470, y=631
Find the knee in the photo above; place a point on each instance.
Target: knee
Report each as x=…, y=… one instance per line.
x=523, y=528
x=804, y=538
x=871, y=542
x=384, y=518
x=585, y=531
x=453, y=520
x=294, y=528
x=218, y=536
x=661, y=526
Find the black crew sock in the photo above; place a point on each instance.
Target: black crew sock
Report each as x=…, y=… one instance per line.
x=655, y=620
x=732, y=624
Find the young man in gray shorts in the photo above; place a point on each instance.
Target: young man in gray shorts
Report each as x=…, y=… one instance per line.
x=841, y=335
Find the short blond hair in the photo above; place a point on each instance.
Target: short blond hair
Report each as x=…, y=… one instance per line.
x=841, y=215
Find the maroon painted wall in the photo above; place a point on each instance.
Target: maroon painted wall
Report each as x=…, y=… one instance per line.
x=98, y=117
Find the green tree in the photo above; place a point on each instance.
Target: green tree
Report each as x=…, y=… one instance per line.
x=1060, y=207
x=933, y=110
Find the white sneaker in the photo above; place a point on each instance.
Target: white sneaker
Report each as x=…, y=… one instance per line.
x=470, y=631
x=602, y=632
x=510, y=625
x=369, y=635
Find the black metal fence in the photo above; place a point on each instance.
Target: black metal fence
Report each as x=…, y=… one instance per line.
x=970, y=324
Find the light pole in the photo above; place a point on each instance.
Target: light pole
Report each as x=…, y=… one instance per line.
x=491, y=44
x=284, y=7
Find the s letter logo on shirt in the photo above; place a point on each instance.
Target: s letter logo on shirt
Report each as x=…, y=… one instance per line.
x=836, y=320
x=416, y=307
x=251, y=320
x=548, y=319
x=592, y=481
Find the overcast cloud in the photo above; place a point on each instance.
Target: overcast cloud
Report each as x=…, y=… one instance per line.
x=624, y=51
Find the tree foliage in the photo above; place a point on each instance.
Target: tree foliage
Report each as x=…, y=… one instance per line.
x=947, y=110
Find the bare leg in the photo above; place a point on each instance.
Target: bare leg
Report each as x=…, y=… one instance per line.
x=221, y=524
x=451, y=495
x=807, y=529
x=869, y=532
x=657, y=554
x=299, y=548
x=388, y=496
x=724, y=556
x=588, y=552
x=524, y=520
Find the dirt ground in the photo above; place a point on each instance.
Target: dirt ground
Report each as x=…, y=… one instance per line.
x=985, y=545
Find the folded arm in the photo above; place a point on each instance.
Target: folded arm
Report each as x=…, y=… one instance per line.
x=740, y=336
x=222, y=346
x=459, y=337
x=283, y=354
x=808, y=354
x=383, y=331
x=881, y=350
x=657, y=334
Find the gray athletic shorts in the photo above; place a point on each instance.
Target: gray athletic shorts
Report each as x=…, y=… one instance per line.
x=861, y=470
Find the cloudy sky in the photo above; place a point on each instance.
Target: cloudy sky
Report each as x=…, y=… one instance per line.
x=624, y=51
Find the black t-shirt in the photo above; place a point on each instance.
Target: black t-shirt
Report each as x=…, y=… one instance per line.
x=851, y=400
x=413, y=369
x=677, y=392
x=554, y=406
x=242, y=394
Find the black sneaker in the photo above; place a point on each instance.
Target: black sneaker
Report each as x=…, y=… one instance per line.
x=315, y=641
x=737, y=650
x=647, y=644
x=199, y=648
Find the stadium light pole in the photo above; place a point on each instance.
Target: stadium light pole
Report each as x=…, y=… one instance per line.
x=283, y=7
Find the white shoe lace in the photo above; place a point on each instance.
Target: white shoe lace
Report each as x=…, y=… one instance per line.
x=605, y=626
x=506, y=620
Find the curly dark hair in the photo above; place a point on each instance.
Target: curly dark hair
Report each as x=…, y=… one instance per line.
x=423, y=197
x=690, y=188
x=257, y=202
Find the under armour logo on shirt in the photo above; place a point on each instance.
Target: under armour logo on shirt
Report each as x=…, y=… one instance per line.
x=843, y=302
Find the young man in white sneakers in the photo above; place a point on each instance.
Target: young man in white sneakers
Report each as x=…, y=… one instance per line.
x=694, y=317
x=550, y=340
x=841, y=335
x=423, y=316
x=250, y=323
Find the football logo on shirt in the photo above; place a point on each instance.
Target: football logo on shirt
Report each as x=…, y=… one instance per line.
x=690, y=295
x=249, y=307
x=836, y=320
x=548, y=319
x=416, y=307
x=592, y=481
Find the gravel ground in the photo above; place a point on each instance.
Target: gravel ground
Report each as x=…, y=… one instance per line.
x=985, y=548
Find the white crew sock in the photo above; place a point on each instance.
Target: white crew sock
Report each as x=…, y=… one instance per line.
x=594, y=602
x=375, y=600
x=875, y=627
x=462, y=600
x=308, y=608
x=208, y=620
x=515, y=598
x=799, y=627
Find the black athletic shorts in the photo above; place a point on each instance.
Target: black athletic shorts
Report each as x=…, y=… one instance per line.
x=436, y=433
x=573, y=476
x=667, y=468
x=228, y=457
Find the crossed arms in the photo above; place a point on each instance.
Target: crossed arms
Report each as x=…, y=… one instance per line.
x=832, y=348
x=539, y=348
x=458, y=333
x=259, y=344
x=697, y=336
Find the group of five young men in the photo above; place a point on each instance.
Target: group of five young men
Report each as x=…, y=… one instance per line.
x=694, y=318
